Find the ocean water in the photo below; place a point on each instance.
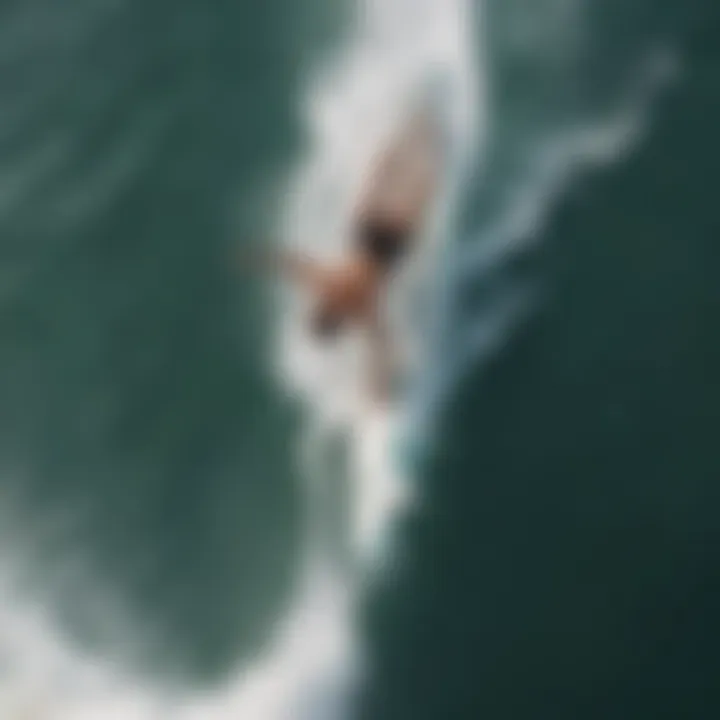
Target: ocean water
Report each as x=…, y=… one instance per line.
x=532, y=532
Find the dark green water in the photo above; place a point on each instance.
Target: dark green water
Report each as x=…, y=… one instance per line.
x=564, y=564
x=138, y=144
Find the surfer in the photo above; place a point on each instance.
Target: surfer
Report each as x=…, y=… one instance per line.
x=383, y=228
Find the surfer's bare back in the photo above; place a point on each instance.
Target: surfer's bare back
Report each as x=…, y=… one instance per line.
x=384, y=225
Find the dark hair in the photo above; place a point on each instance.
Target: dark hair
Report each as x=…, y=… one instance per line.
x=383, y=242
x=326, y=322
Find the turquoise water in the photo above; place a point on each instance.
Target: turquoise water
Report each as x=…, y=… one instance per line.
x=133, y=388
x=562, y=560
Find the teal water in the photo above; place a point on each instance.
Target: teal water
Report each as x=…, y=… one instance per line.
x=562, y=562
x=138, y=146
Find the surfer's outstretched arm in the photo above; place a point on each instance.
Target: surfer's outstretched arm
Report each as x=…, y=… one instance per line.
x=293, y=265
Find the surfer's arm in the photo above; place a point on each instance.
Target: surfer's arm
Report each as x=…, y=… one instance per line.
x=292, y=264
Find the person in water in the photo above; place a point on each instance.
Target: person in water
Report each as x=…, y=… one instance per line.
x=384, y=227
